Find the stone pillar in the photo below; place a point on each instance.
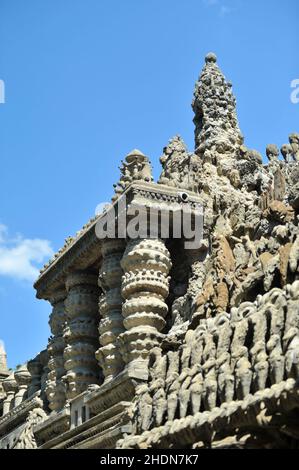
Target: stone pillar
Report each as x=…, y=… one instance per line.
x=145, y=286
x=81, y=333
x=110, y=307
x=10, y=387
x=55, y=386
x=3, y=357
x=35, y=368
x=23, y=378
x=44, y=359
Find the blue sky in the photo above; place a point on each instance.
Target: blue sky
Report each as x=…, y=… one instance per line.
x=86, y=81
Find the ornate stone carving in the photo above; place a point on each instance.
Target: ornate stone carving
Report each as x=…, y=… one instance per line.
x=35, y=368
x=136, y=167
x=80, y=333
x=55, y=386
x=225, y=359
x=146, y=264
x=44, y=360
x=209, y=359
x=27, y=440
x=23, y=378
x=181, y=169
x=10, y=387
x=214, y=106
x=110, y=306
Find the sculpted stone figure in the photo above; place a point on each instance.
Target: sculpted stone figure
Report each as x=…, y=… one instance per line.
x=225, y=378
x=209, y=371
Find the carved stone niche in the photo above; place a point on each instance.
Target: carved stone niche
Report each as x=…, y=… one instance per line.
x=81, y=333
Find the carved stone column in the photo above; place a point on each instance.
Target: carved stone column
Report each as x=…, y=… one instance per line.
x=110, y=307
x=81, y=333
x=145, y=284
x=55, y=386
x=35, y=368
x=44, y=359
x=22, y=377
x=10, y=387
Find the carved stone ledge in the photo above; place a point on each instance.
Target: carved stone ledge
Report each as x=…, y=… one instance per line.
x=97, y=432
x=18, y=415
x=121, y=388
x=54, y=426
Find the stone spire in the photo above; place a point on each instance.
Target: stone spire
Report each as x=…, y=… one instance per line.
x=3, y=362
x=214, y=106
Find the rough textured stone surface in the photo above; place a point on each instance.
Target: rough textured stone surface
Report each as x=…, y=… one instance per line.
x=154, y=345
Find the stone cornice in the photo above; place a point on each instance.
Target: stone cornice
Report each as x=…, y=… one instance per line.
x=19, y=414
x=84, y=252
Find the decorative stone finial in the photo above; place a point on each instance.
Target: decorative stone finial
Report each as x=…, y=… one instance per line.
x=134, y=153
x=214, y=105
x=272, y=152
x=287, y=152
x=294, y=143
x=136, y=167
x=211, y=57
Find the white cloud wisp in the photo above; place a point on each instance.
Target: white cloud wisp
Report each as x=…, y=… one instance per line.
x=19, y=256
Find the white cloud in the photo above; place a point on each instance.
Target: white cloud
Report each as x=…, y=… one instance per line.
x=20, y=257
x=221, y=8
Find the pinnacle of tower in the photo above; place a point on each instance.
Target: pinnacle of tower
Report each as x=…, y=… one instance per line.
x=214, y=106
x=3, y=362
x=175, y=145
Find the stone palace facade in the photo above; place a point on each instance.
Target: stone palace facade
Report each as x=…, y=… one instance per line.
x=157, y=345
